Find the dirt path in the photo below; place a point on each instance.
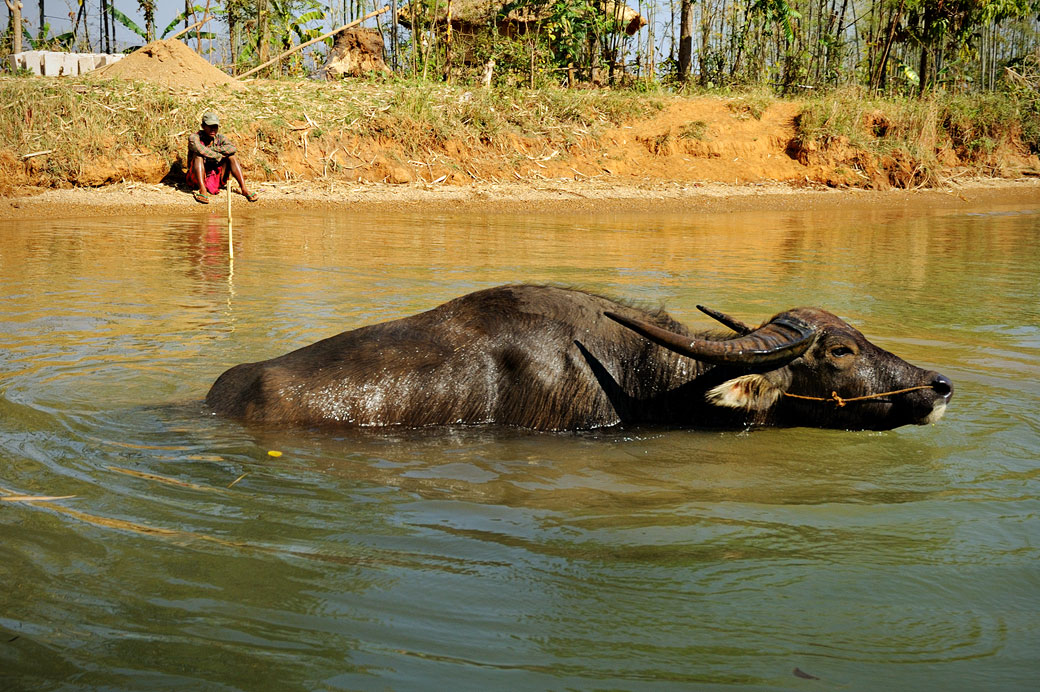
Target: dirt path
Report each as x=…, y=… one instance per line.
x=553, y=196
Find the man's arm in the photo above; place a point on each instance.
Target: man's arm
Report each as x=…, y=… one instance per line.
x=196, y=147
x=223, y=145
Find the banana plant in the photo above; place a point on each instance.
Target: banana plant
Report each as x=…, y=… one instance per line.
x=780, y=13
x=44, y=41
x=127, y=22
x=148, y=34
x=289, y=20
x=197, y=10
x=148, y=9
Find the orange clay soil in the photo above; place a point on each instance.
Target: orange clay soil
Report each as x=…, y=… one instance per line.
x=695, y=153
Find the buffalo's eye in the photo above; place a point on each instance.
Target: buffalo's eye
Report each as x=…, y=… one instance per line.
x=841, y=351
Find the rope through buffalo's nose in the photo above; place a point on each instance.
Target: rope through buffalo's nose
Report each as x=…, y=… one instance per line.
x=841, y=401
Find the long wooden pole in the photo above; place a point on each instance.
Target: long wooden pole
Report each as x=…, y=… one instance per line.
x=230, y=233
x=189, y=28
x=313, y=41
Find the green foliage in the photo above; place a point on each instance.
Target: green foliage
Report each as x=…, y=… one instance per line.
x=1022, y=84
x=187, y=15
x=148, y=9
x=566, y=34
x=513, y=58
x=955, y=26
x=899, y=47
x=127, y=22
x=779, y=13
x=44, y=41
x=288, y=23
x=295, y=19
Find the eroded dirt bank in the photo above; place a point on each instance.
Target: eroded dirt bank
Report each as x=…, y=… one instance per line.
x=701, y=153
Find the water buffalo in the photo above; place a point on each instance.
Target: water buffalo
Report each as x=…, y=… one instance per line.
x=551, y=358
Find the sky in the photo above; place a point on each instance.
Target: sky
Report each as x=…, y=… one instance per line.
x=57, y=14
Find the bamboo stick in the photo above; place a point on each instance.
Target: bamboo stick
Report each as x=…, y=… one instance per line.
x=313, y=41
x=230, y=233
x=189, y=28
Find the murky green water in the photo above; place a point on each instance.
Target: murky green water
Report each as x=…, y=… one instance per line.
x=473, y=559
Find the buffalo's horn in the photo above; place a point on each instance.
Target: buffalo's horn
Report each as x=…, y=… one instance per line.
x=781, y=340
x=731, y=322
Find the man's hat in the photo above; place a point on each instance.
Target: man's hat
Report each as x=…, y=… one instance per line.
x=210, y=118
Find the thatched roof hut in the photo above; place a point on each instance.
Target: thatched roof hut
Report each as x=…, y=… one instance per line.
x=476, y=16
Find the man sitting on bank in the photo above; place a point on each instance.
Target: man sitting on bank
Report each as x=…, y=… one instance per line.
x=211, y=156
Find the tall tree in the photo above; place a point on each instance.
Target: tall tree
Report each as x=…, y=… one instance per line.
x=237, y=11
x=15, y=7
x=935, y=25
x=106, y=43
x=685, y=39
x=262, y=38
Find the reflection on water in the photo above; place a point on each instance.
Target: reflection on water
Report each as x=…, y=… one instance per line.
x=189, y=557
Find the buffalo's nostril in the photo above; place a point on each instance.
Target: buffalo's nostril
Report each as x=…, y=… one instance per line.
x=942, y=386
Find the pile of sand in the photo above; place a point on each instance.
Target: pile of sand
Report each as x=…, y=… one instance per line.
x=168, y=63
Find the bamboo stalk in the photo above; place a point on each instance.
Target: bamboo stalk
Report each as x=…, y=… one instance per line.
x=313, y=41
x=189, y=28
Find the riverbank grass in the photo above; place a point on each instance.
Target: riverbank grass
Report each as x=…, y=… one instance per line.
x=95, y=132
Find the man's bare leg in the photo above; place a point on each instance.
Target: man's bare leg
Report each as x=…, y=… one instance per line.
x=236, y=171
x=200, y=174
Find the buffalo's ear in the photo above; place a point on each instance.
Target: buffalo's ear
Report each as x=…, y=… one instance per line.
x=750, y=392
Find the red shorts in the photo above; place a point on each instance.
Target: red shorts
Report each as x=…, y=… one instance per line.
x=212, y=178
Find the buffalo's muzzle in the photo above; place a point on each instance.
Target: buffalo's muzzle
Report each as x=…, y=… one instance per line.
x=942, y=386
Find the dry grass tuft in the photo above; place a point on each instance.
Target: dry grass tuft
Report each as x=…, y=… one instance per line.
x=97, y=132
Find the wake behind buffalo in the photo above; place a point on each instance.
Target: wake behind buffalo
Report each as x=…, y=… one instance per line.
x=550, y=358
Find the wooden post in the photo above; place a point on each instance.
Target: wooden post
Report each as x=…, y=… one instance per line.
x=313, y=41
x=16, y=24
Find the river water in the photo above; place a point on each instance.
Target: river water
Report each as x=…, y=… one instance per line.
x=191, y=557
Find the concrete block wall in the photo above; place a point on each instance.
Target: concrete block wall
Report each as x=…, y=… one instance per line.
x=49, y=63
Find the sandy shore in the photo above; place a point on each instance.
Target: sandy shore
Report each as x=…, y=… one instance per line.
x=553, y=196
